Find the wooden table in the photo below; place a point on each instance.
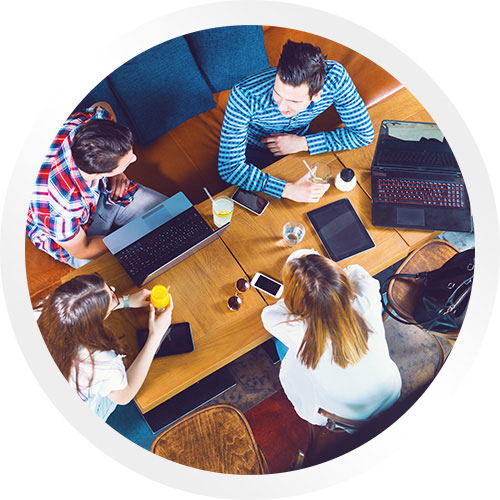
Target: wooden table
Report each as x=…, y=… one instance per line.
x=257, y=243
x=201, y=285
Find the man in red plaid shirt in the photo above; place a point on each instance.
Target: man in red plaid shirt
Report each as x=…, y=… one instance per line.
x=81, y=192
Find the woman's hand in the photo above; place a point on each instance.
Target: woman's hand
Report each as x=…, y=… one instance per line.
x=140, y=298
x=159, y=324
x=139, y=368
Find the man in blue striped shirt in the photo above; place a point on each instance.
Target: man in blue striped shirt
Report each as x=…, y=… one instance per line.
x=268, y=115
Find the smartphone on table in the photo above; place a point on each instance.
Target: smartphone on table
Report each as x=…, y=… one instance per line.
x=267, y=285
x=249, y=200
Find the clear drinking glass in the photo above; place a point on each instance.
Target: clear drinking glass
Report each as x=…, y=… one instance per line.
x=321, y=173
x=293, y=233
x=222, y=208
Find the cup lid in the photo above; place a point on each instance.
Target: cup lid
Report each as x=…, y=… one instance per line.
x=159, y=296
x=347, y=174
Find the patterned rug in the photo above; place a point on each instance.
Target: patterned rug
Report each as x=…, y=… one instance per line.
x=256, y=379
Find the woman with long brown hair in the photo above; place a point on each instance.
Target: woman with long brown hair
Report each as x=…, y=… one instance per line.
x=329, y=323
x=89, y=355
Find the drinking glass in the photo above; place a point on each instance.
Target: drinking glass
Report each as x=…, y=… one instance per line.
x=321, y=173
x=222, y=208
x=293, y=233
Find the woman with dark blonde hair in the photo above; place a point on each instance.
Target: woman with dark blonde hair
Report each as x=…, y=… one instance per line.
x=89, y=355
x=331, y=339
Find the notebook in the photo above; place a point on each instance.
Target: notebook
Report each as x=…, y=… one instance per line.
x=416, y=180
x=161, y=238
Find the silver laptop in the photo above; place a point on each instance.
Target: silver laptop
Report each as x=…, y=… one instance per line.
x=161, y=238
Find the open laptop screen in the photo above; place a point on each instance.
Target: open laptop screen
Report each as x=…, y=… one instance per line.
x=414, y=144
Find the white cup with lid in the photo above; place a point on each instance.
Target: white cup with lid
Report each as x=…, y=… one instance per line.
x=345, y=180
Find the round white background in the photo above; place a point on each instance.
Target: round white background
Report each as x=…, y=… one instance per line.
x=414, y=427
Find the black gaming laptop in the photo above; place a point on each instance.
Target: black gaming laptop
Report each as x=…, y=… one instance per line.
x=416, y=180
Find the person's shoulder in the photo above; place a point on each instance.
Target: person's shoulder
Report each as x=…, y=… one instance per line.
x=274, y=313
x=361, y=280
x=96, y=111
x=365, y=287
x=99, y=359
x=63, y=138
x=334, y=68
x=257, y=84
x=63, y=196
x=335, y=73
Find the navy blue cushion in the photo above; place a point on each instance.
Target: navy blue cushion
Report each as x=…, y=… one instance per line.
x=103, y=92
x=161, y=88
x=229, y=54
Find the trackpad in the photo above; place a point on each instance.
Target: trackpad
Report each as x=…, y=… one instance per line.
x=157, y=216
x=410, y=216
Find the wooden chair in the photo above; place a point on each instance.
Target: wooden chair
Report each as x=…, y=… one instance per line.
x=216, y=438
x=401, y=294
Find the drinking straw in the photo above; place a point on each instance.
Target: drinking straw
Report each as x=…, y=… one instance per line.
x=308, y=167
x=206, y=191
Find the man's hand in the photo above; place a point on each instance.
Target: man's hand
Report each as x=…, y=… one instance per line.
x=304, y=190
x=285, y=144
x=118, y=184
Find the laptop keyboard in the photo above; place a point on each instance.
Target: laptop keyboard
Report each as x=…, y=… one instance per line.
x=417, y=192
x=165, y=243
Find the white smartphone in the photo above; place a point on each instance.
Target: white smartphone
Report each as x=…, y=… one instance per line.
x=267, y=285
x=249, y=200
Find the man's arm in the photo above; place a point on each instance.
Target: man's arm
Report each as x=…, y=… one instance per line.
x=233, y=167
x=358, y=129
x=285, y=144
x=82, y=246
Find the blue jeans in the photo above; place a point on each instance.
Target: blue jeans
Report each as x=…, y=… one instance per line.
x=281, y=348
x=108, y=217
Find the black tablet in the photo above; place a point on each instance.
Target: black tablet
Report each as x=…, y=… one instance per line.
x=178, y=340
x=340, y=229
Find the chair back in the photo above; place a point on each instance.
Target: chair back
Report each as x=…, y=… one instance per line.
x=216, y=438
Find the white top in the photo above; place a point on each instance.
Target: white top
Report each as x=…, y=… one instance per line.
x=356, y=392
x=109, y=375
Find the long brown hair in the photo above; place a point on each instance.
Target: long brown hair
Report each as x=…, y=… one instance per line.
x=318, y=291
x=73, y=317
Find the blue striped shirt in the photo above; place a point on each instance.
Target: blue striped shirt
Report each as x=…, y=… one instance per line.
x=252, y=115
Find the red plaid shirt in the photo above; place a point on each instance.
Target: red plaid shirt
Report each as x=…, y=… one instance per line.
x=62, y=202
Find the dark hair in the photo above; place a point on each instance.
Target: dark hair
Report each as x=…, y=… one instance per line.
x=72, y=317
x=302, y=63
x=98, y=145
